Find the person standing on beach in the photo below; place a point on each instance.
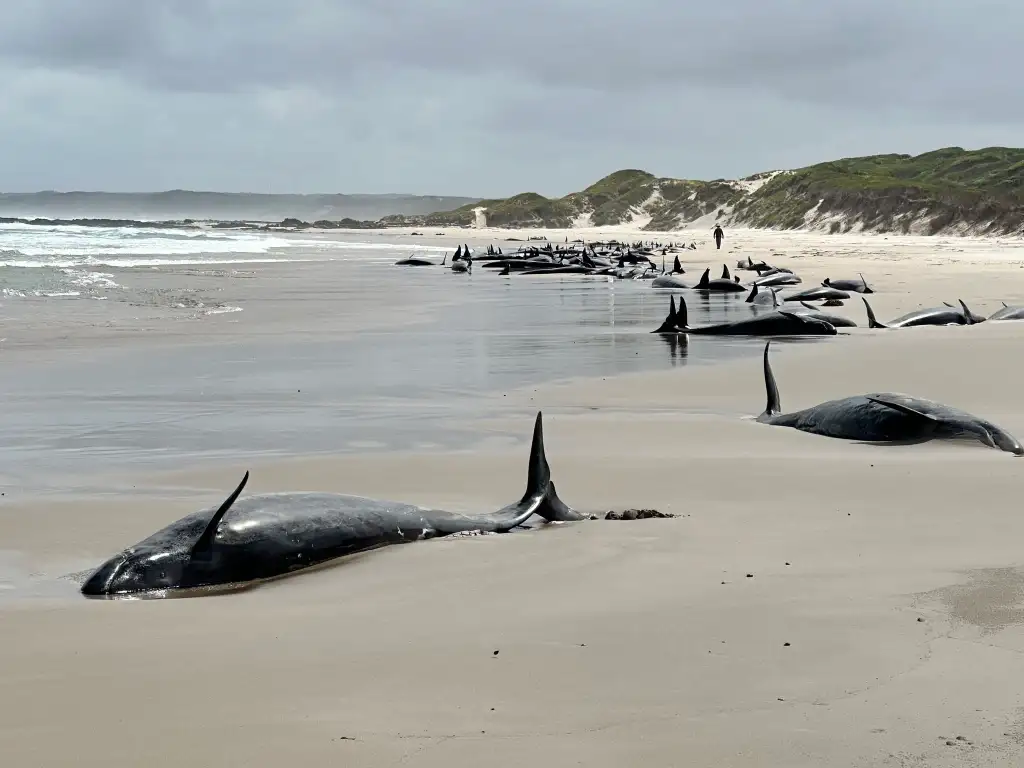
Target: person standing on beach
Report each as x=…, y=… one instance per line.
x=719, y=234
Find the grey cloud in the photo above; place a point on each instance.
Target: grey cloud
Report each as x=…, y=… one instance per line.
x=491, y=96
x=775, y=46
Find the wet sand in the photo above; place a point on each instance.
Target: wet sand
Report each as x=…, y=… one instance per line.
x=879, y=622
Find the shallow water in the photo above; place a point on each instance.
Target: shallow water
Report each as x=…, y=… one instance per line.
x=391, y=389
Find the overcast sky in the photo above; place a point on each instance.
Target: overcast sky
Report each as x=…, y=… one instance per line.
x=490, y=97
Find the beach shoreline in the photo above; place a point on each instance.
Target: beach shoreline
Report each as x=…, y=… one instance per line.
x=817, y=602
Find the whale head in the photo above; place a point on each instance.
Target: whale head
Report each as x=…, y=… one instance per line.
x=820, y=327
x=810, y=325
x=1005, y=441
x=140, y=569
x=180, y=556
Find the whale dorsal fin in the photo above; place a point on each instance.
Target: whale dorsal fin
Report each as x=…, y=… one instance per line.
x=205, y=540
x=704, y=279
x=725, y=272
x=968, y=315
x=902, y=408
x=1004, y=304
x=773, y=407
x=872, y=322
x=775, y=297
x=753, y=293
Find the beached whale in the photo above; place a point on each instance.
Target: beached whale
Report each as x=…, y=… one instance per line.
x=945, y=315
x=720, y=285
x=883, y=417
x=564, y=269
x=778, y=323
x=414, y=261
x=761, y=298
x=1008, y=313
x=778, y=278
x=818, y=293
x=269, y=535
x=766, y=270
x=858, y=286
x=839, y=321
x=749, y=265
x=668, y=280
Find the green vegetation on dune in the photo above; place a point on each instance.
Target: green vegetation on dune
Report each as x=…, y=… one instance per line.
x=528, y=210
x=981, y=190
x=613, y=199
x=948, y=190
x=684, y=201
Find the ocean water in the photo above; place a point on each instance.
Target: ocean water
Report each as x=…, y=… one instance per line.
x=83, y=412
x=70, y=261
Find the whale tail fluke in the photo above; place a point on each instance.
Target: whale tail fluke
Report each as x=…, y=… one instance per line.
x=540, y=497
x=682, y=321
x=554, y=510
x=539, y=472
x=872, y=321
x=773, y=407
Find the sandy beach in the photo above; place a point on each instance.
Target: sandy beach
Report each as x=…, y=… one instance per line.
x=816, y=603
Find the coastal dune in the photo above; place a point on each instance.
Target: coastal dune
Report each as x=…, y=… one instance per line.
x=816, y=602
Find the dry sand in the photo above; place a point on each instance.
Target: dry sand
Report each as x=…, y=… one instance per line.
x=817, y=602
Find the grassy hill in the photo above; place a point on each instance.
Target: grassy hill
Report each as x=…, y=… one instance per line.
x=950, y=190
x=619, y=198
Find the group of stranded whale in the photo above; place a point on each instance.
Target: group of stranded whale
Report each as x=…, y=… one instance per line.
x=271, y=535
x=612, y=259
x=260, y=537
x=802, y=319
